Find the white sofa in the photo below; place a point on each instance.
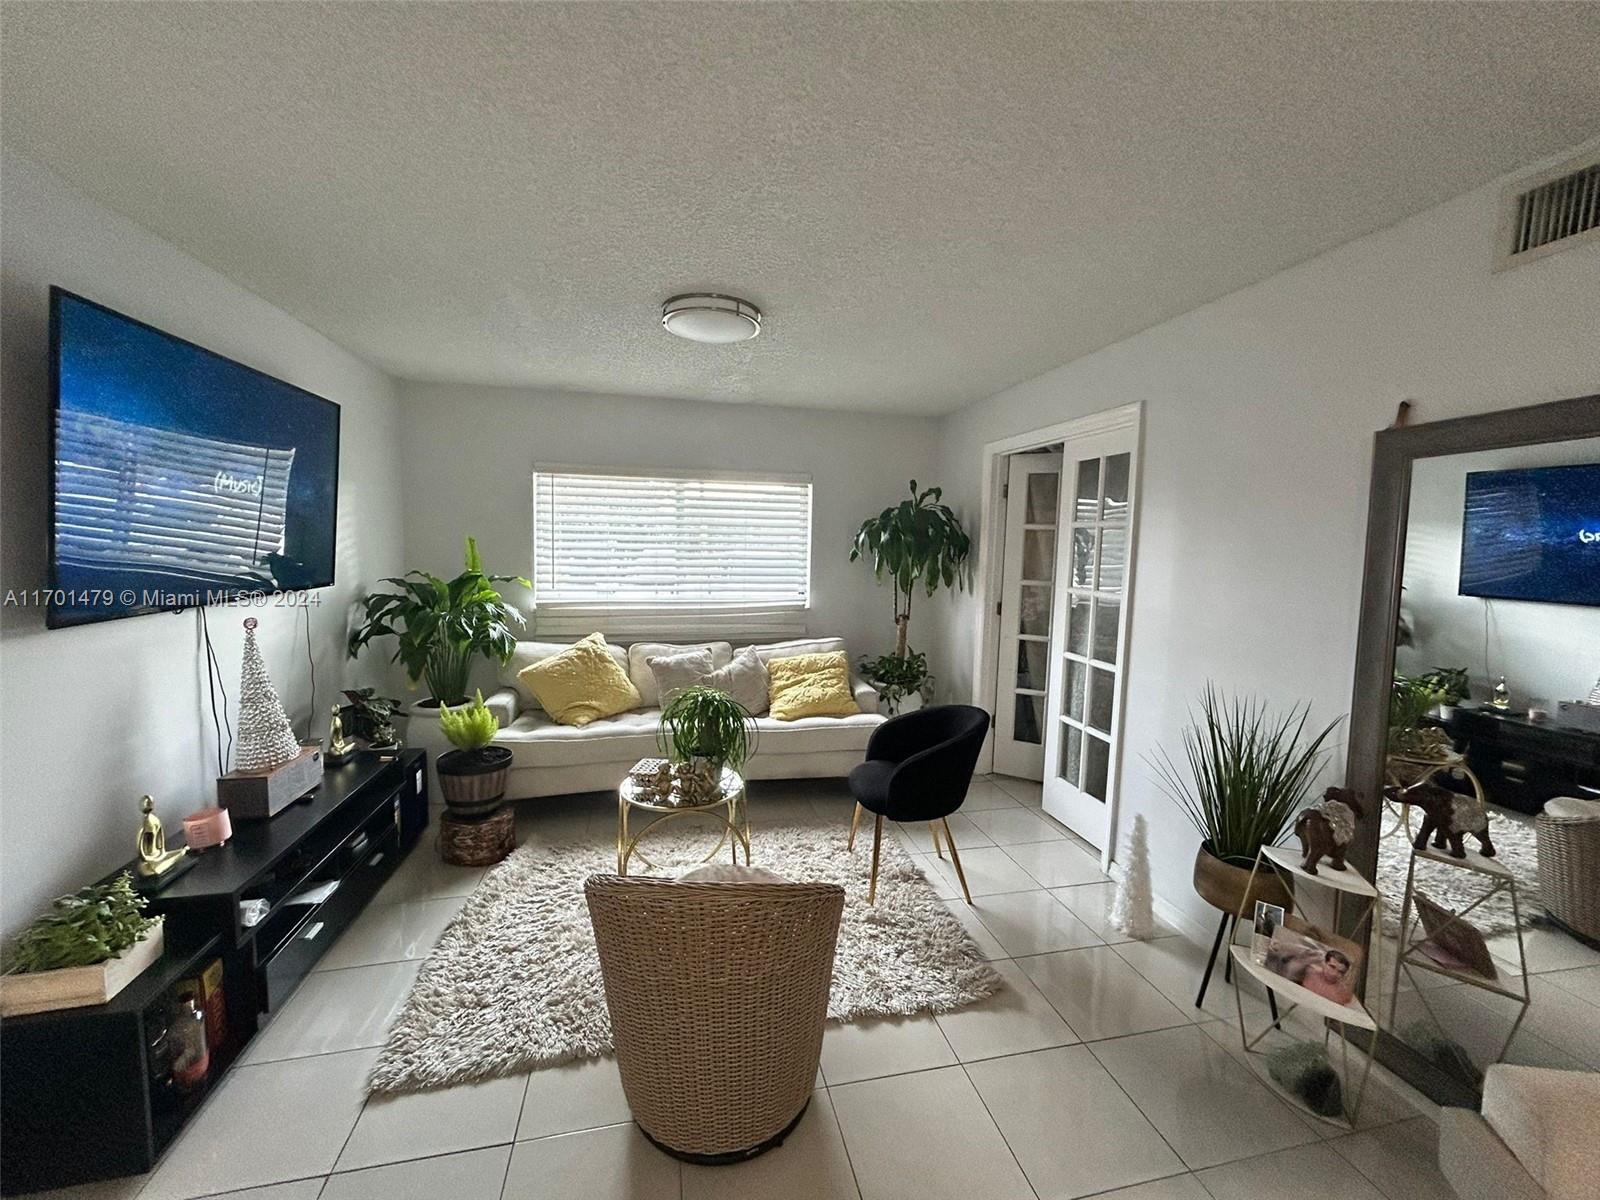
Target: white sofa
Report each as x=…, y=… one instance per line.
x=549, y=759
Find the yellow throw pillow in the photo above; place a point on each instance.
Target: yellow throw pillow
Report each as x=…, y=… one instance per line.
x=581, y=684
x=811, y=685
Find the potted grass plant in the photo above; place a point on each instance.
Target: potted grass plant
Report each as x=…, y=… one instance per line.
x=84, y=950
x=705, y=729
x=472, y=777
x=1246, y=773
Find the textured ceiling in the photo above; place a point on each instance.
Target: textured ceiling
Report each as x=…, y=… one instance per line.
x=929, y=201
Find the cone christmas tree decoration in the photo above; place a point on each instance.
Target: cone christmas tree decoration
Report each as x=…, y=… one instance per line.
x=266, y=739
x=1130, y=910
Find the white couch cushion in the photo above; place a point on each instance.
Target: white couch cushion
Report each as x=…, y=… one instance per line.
x=1547, y=1118
x=535, y=740
x=812, y=735
x=640, y=654
x=768, y=651
x=528, y=653
x=674, y=672
x=745, y=679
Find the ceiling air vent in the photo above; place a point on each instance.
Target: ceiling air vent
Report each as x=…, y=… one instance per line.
x=1551, y=211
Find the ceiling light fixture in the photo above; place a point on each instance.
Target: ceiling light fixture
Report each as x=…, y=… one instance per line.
x=711, y=317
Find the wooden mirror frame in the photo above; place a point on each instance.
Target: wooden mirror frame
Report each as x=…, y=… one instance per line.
x=1388, y=509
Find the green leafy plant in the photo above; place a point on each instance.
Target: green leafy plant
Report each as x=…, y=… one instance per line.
x=1410, y=700
x=1449, y=682
x=371, y=716
x=705, y=722
x=470, y=726
x=1248, y=772
x=442, y=626
x=90, y=926
x=917, y=541
x=895, y=678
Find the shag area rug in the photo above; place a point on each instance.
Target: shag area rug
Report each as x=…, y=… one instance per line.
x=1514, y=845
x=514, y=982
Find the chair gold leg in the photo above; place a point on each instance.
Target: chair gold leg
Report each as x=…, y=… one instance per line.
x=956, y=858
x=855, y=819
x=933, y=828
x=877, y=839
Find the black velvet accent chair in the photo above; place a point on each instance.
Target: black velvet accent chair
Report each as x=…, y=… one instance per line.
x=918, y=768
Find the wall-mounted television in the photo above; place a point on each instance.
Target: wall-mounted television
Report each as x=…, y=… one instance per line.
x=1533, y=534
x=179, y=477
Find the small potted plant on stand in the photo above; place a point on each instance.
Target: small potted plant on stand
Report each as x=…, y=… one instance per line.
x=1247, y=774
x=702, y=730
x=918, y=541
x=477, y=828
x=370, y=717
x=85, y=950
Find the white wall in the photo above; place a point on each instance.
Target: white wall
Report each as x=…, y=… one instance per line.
x=1547, y=652
x=469, y=454
x=92, y=717
x=1259, y=415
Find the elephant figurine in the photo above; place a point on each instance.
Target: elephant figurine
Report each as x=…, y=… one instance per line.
x=1325, y=829
x=1448, y=816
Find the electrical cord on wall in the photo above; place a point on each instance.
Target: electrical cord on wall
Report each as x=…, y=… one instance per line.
x=214, y=684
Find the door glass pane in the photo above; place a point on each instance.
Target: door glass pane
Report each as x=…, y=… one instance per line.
x=1106, y=613
x=1038, y=553
x=1078, y=625
x=1115, y=508
x=1102, y=686
x=1033, y=660
x=1071, y=753
x=1028, y=725
x=1096, y=760
x=1040, y=506
x=1113, y=558
x=1082, y=558
x=1077, y=674
x=1088, y=493
x=1034, y=616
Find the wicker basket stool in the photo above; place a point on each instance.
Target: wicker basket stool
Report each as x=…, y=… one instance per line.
x=717, y=993
x=1568, y=833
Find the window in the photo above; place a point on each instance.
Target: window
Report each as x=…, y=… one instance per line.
x=657, y=552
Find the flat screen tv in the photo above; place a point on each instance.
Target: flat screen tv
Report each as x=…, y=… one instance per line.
x=179, y=478
x=1533, y=534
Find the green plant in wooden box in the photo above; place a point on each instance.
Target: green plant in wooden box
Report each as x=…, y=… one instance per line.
x=92, y=925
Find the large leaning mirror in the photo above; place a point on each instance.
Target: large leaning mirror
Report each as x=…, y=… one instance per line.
x=1476, y=719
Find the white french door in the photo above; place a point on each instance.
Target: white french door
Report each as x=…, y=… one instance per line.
x=1089, y=632
x=1033, y=487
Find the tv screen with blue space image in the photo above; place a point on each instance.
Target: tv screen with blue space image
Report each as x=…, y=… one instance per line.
x=1533, y=534
x=181, y=478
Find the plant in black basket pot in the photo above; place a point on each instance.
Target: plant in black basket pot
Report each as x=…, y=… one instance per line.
x=704, y=729
x=473, y=775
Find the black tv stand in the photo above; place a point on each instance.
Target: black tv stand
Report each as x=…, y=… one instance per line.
x=82, y=1094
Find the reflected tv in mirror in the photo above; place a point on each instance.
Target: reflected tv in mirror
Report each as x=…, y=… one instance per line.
x=1533, y=534
x=179, y=478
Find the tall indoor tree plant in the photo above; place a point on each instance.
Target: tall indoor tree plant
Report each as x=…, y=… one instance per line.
x=442, y=626
x=916, y=542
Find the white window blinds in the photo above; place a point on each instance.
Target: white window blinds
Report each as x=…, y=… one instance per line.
x=663, y=553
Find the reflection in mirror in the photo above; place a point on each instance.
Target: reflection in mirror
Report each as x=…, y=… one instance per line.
x=1489, y=844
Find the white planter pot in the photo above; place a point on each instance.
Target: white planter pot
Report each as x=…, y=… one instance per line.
x=419, y=727
x=906, y=704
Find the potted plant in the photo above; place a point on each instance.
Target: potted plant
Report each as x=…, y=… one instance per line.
x=1410, y=701
x=84, y=950
x=472, y=777
x=918, y=541
x=704, y=729
x=442, y=626
x=1451, y=685
x=901, y=683
x=371, y=716
x=1246, y=774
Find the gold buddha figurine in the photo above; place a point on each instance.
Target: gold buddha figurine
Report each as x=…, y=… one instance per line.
x=154, y=857
x=339, y=746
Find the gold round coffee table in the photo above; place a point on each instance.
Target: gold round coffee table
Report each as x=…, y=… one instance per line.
x=727, y=807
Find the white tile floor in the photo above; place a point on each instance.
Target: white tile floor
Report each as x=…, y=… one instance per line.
x=1091, y=1073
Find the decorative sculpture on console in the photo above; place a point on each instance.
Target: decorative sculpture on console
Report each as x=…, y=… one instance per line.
x=1325, y=829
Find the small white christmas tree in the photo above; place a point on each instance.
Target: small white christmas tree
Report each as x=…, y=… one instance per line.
x=266, y=740
x=1130, y=909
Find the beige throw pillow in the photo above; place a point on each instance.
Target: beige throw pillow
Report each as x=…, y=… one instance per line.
x=745, y=679
x=674, y=672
